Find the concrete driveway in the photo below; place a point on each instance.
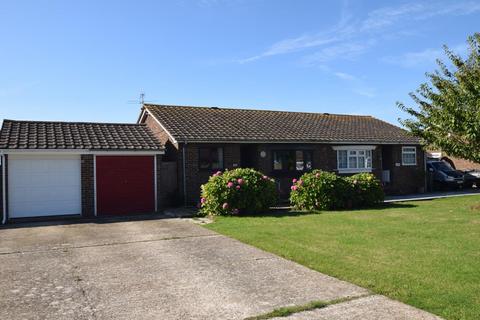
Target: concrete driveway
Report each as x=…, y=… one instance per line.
x=161, y=269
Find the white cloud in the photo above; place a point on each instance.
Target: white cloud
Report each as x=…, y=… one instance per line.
x=357, y=85
x=345, y=50
x=366, y=92
x=295, y=44
x=347, y=38
x=344, y=76
x=387, y=16
x=422, y=58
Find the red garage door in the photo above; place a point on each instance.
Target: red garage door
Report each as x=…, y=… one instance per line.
x=125, y=184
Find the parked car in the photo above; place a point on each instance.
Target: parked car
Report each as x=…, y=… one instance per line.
x=471, y=177
x=444, y=176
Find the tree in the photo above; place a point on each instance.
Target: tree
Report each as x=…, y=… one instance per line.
x=448, y=112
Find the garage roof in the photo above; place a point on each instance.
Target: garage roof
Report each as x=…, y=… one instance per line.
x=77, y=135
x=207, y=124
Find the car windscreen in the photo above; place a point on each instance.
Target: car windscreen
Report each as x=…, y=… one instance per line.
x=442, y=166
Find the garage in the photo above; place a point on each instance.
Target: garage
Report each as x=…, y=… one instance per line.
x=125, y=184
x=85, y=169
x=42, y=185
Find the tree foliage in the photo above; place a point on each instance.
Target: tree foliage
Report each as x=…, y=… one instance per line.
x=448, y=112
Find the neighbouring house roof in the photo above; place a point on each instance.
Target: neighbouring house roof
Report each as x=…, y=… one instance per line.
x=77, y=135
x=205, y=124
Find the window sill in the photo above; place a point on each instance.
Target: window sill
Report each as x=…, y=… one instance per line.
x=354, y=170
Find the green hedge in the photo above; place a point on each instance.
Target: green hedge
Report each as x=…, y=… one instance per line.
x=367, y=190
x=320, y=190
x=238, y=191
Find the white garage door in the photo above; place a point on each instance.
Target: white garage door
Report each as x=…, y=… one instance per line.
x=43, y=185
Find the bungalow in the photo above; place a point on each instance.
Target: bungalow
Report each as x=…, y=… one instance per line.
x=98, y=169
x=202, y=140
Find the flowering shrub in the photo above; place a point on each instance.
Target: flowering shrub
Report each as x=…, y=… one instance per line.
x=237, y=191
x=366, y=190
x=319, y=190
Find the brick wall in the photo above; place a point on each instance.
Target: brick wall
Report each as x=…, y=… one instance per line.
x=87, y=185
x=196, y=177
x=405, y=179
x=324, y=158
x=160, y=198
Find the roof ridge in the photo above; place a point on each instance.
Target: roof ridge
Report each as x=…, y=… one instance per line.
x=146, y=105
x=74, y=122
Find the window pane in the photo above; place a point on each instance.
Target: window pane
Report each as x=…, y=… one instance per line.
x=361, y=162
x=408, y=158
x=277, y=161
x=308, y=160
x=299, y=165
x=352, y=162
x=368, y=154
x=217, y=158
x=342, y=159
x=204, y=158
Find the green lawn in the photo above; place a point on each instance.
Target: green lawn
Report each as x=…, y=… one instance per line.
x=426, y=254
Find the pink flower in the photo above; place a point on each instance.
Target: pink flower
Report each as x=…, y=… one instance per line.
x=230, y=184
x=238, y=187
x=203, y=200
x=225, y=206
x=317, y=175
x=218, y=173
x=235, y=211
x=240, y=181
x=294, y=180
x=294, y=188
x=265, y=178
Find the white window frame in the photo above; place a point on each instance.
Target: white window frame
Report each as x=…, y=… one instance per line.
x=405, y=151
x=357, y=149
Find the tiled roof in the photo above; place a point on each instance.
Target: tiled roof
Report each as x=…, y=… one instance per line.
x=204, y=124
x=76, y=135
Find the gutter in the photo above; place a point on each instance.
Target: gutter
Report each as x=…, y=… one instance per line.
x=184, y=174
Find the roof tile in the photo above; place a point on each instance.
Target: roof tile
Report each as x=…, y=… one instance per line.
x=204, y=124
x=77, y=135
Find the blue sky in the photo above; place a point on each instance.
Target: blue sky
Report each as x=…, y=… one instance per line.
x=85, y=60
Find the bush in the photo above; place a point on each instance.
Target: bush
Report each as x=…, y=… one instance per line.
x=319, y=190
x=236, y=192
x=366, y=190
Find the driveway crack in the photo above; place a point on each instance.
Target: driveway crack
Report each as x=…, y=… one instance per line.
x=312, y=305
x=106, y=244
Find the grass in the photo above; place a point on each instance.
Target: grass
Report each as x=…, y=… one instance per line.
x=287, y=311
x=425, y=253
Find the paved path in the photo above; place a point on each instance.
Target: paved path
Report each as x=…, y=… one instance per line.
x=162, y=269
x=432, y=195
